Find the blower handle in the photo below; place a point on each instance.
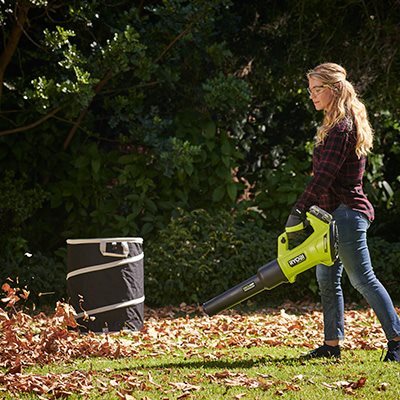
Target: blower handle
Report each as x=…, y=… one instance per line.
x=296, y=234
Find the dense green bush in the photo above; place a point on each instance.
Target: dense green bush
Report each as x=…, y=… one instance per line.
x=42, y=276
x=199, y=255
x=18, y=202
x=385, y=257
x=196, y=256
x=279, y=187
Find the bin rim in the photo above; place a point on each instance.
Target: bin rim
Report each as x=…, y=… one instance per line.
x=100, y=240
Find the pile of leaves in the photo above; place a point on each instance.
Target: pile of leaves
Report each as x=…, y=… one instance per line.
x=40, y=340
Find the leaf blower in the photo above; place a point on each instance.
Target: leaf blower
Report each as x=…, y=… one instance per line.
x=320, y=246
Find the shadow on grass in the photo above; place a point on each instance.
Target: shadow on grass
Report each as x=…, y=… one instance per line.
x=236, y=364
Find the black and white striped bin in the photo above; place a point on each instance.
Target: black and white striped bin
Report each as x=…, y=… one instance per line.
x=105, y=283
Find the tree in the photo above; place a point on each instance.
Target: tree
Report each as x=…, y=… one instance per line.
x=122, y=106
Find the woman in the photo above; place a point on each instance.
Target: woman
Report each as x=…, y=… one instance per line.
x=342, y=143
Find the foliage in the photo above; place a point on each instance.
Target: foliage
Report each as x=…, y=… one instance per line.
x=42, y=276
x=18, y=202
x=227, y=97
x=384, y=255
x=383, y=179
x=146, y=145
x=138, y=189
x=199, y=255
x=280, y=186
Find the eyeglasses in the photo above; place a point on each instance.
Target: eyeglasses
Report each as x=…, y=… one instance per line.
x=316, y=89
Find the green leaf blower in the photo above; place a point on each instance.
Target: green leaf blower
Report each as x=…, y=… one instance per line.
x=320, y=246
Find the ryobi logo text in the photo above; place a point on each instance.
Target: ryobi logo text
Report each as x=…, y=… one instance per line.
x=297, y=260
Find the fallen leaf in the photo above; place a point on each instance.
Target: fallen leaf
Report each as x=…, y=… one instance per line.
x=187, y=387
x=383, y=386
x=16, y=369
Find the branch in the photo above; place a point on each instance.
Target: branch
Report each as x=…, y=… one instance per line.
x=180, y=36
x=12, y=43
x=83, y=113
x=139, y=86
x=107, y=77
x=32, y=125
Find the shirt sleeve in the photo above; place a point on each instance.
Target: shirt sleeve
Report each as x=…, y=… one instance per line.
x=326, y=168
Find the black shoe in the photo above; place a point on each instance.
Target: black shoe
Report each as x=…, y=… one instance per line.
x=393, y=352
x=324, y=351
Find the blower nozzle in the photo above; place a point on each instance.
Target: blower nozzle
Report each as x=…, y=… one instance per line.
x=319, y=247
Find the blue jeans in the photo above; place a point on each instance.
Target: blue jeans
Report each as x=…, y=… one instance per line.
x=355, y=259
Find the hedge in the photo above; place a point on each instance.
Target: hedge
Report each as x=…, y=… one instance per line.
x=199, y=255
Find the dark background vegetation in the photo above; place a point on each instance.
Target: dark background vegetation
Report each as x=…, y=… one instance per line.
x=186, y=123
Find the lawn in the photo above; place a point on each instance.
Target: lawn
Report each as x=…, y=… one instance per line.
x=183, y=354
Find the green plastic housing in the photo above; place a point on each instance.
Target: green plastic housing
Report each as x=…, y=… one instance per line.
x=320, y=247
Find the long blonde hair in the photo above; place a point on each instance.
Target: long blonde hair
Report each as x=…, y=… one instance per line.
x=345, y=103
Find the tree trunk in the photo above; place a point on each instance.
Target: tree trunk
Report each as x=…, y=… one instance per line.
x=21, y=16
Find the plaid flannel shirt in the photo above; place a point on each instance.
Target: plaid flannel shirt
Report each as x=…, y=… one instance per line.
x=337, y=174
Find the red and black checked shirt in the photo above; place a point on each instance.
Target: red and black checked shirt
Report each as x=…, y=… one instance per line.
x=337, y=174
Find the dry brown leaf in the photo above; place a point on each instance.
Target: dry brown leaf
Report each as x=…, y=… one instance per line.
x=151, y=380
x=27, y=340
x=184, y=395
x=184, y=386
x=16, y=369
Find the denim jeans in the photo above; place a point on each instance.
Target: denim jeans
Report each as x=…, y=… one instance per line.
x=355, y=259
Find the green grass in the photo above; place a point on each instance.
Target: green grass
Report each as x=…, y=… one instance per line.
x=248, y=373
x=183, y=354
